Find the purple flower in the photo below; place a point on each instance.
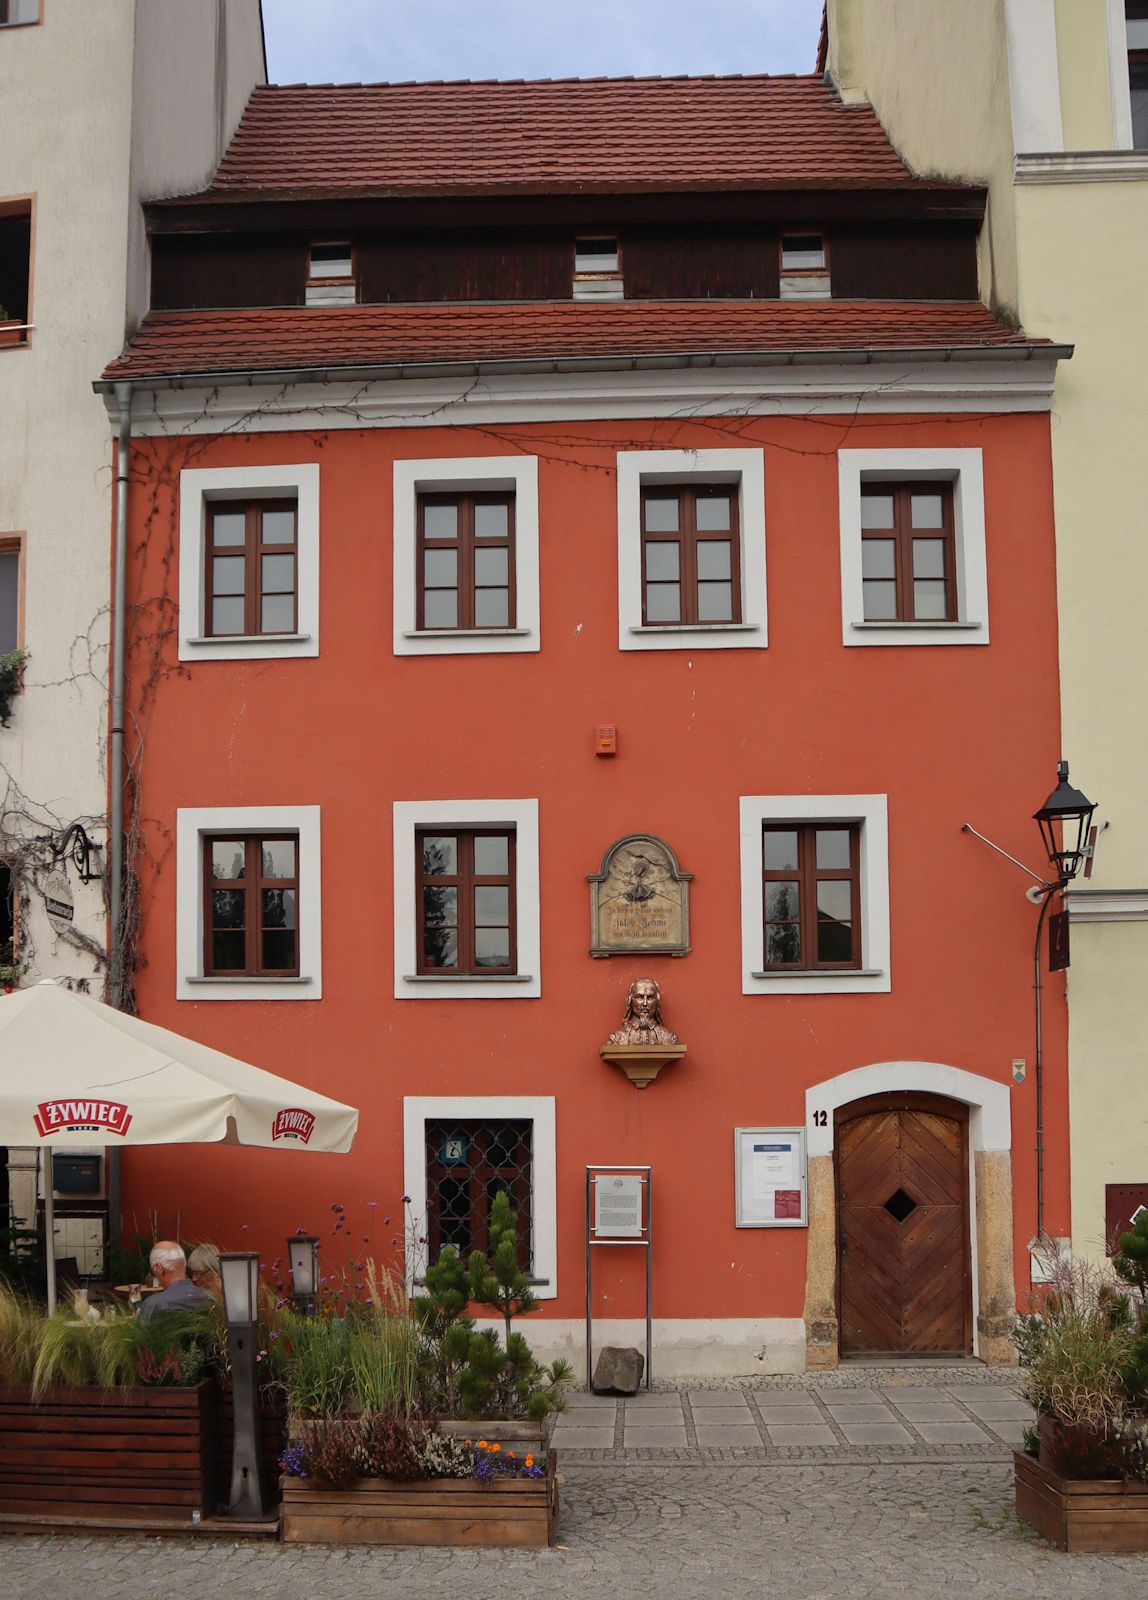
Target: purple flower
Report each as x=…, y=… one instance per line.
x=386, y=1222
x=406, y=1199
x=372, y=1205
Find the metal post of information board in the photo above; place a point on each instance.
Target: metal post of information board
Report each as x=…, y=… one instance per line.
x=627, y=1233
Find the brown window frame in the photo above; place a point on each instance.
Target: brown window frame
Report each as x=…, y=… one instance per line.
x=465, y=543
x=808, y=875
x=253, y=549
x=252, y=885
x=688, y=538
x=16, y=332
x=483, y=1176
x=328, y=277
x=466, y=880
x=12, y=544
x=902, y=535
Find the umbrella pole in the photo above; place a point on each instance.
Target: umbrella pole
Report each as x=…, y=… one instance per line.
x=49, y=1229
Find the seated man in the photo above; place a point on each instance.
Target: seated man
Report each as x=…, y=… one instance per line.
x=169, y=1269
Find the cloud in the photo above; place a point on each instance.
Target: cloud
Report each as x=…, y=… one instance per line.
x=349, y=41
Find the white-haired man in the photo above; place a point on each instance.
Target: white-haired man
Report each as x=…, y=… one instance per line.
x=177, y=1292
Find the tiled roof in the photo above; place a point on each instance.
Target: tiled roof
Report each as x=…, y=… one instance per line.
x=593, y=134
x=192, y=342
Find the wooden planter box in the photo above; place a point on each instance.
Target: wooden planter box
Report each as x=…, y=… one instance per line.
x=519, y=1512
x=1082, y=1514
x=117, y=1458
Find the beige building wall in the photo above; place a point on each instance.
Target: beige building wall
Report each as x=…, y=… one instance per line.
x=1031, y=97
x=100, y=105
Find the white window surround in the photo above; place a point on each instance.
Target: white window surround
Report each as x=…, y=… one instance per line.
x=190, y=826
x=639, y=469
x=518, y=474
x=521, y=815
x=197, y=486
x=418, y=1111
x=964, y=469
x=1120, y=88
x=872, y=812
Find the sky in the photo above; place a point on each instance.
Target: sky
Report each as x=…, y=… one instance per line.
x=374, y=41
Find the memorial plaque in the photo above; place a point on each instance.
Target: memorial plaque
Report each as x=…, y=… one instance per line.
x=618, y=1206
x=639, y=900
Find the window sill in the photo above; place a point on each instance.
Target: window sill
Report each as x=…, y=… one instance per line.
x=468, y=977
x=847, y=973
x=251, y=638
x=697, y=627
x=199, y=978
x=468, y=633
x=930, y=627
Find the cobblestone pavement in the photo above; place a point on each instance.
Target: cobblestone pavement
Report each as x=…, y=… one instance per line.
x=700, y=1510
x=681, y=1532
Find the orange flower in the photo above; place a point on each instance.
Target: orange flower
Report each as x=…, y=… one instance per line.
x=530, y=1461
x=495, y=1448
x=482, y=1445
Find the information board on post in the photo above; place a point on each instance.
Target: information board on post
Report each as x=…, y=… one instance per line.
x=771, y=1185
x=618, y=1205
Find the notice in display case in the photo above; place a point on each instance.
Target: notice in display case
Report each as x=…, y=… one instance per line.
x=617, y=1205
x=770, y=1180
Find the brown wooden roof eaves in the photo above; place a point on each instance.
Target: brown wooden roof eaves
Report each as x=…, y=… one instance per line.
x=199, y=343
x=594, y=135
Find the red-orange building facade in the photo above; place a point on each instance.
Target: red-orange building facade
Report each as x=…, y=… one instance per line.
x=396, y=560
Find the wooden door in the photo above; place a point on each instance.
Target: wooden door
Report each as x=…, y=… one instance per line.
x=903, y=1227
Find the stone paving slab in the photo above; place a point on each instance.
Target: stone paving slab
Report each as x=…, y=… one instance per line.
x=952, y=1433
x=802, y=1433
x=886, y=1433
x=639, y=1435
x=806, y=1532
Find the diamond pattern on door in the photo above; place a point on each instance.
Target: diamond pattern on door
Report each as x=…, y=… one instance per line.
x=902, y=1195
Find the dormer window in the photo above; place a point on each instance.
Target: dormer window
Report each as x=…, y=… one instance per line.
x=804, y=267
x=1136, y=24
x=331, y=273
x=597, y=268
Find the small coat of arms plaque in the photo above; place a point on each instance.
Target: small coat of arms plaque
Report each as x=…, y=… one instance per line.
x=639, y=900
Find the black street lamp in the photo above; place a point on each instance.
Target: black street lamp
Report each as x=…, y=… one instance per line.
x=239, y=1275
x=303, y=1255
x=1064, y=819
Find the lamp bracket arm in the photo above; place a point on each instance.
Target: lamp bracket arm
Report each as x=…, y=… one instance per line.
x=967, y=827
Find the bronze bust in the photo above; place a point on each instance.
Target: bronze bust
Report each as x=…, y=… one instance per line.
x=642, y=1023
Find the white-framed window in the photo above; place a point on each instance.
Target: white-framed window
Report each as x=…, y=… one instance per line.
x=331, y=273
x=458, y=1115
x=217, y=902
x=210, y=572
x=952, y=514
x=856, y=822
x=479, y=487
x=645, y=578
x=597, y=268
x=444, y=827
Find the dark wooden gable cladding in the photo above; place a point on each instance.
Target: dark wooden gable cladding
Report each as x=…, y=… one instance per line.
x=465, y=264
x=903, y=261
x=700, y=263
x=211, y=271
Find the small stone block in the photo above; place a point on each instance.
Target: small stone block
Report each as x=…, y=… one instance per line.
x=727, y=1436
x=723, y=1416
x=952, y=1433
x=811, y=1434
x=619, y=1371
x=795, y=1416
x=668, y=1438
x=585, y=1439
x=708, y=1399
x=866, y=1414
x=875, y=1433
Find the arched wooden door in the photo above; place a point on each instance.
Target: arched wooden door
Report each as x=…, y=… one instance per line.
x=903, y=1227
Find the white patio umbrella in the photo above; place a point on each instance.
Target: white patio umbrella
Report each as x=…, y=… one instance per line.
x=74, y=1072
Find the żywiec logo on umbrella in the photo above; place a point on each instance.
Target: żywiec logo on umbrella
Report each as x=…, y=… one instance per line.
x=293, y=1123
x=81, y=1116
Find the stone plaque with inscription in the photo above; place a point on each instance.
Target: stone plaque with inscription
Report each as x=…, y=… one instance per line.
x=640, y=900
